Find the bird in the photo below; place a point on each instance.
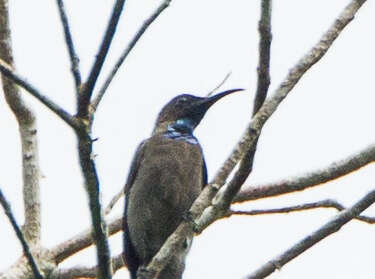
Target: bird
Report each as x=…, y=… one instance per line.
x=167, y=174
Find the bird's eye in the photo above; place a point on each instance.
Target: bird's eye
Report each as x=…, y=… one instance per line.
x=182, y=101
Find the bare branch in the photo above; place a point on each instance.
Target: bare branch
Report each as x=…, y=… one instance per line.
x=87, y=89
x=334, y=170
x=246, y=165
x=264, y=79
x=85, y=148
x=25, y=246
x=250, y=138
x=328, y=203
x=28, y=132
x=220, y=84
x=92, y=188
x=81, y=241
x=113, y=201
x=86, y=272
x=127, y=50
x=7, y=70
x=329, y=228
x=185, y=229
x=74, y=60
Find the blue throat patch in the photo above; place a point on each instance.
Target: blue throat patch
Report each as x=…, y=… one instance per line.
x=182, y=129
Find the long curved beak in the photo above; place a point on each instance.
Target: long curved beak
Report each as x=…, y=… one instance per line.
x=209, y=101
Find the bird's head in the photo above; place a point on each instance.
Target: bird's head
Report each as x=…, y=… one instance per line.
x=188, y=110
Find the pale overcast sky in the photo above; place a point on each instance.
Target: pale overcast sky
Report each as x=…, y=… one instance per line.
x=189, y=49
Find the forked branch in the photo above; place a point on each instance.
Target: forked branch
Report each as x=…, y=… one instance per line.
x=127, y=50
x=87, y=89
x=252, y=132
x=301, y=246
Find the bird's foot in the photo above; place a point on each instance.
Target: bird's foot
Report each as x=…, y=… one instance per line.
x=188, y=217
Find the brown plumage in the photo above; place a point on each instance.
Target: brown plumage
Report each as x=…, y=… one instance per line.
x=167, y=174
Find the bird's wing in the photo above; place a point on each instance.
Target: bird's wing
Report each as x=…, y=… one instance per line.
x=134, y=166
x=129, y=255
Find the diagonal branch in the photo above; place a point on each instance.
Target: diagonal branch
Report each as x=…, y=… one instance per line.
x=328, y=203
x=185, y=229
x=86, y=272
x=25, y=246
x=329, y=228
x=113, y=201
x=294, y=75
x=87, y=89
x=81, y=241
x=246, y=165
x=7, y=71
x=74, y=60
x=127, y=50
x=299, y=183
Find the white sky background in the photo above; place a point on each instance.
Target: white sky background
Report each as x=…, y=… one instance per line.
x=189, y=49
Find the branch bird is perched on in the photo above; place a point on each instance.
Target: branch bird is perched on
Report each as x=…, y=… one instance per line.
x=167, y=174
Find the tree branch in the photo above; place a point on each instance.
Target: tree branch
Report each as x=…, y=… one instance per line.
x=285, y=186
x=25, y=246
x=113, y=201
x=127, y=50
x=250, y=137
x=81, y=241
x=28, y=132
x=330, y=227
x=246, y=165
x=7, y=71
x=92, y=188
x=74, y=60
x=299, y=183
x=312, y=57
x=86, y=92
x=263, y=69
x=328, y=203
x=86, y=272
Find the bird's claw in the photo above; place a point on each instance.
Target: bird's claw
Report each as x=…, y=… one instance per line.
x=188, y=217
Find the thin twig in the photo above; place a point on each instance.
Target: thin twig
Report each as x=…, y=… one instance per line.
x=7, y=70
x=310, y=179
x=328, y=203
x=220, y=84
x=25, y=246
x=127, y=50
x=301, y=246
x=74, y=60
x=185, y=229
x=86, y=92
x=113, y=201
